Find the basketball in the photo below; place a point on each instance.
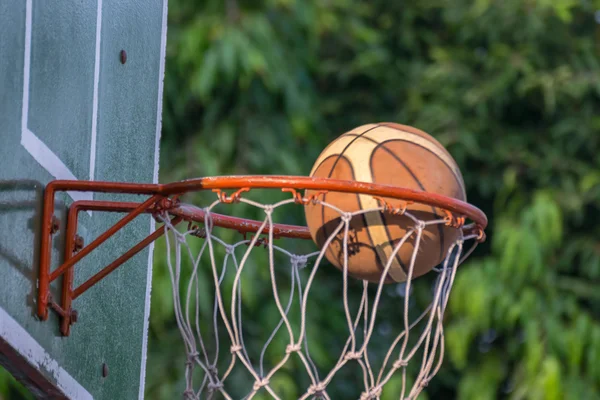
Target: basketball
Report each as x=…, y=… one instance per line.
x=392, y=154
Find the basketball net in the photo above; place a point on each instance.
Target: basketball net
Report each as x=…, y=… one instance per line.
x=211, y=364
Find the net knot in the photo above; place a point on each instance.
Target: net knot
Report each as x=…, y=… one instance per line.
x=346, y=217
x=213, y=387
x=235, y=348
x=353, y=355
x=191, y=358
x=299, y=261
x=268, y=209
x=373, y=393
x=189, y=395
x=400, y=364
x=180, y=237
x=424, y=383
x=260, y=384
x=317, y=390
x=229, y=249
x=420, y=225
x=291, y=348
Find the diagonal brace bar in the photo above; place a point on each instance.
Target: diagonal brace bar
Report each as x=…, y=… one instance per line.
x=119, y=261
x=105, y=236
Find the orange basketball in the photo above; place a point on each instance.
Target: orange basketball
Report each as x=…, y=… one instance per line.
x=392, y=154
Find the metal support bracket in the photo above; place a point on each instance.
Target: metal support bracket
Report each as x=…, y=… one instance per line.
x=75, y=250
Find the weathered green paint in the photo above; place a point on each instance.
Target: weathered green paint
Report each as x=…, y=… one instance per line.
x=111, y=314
x=63, y=42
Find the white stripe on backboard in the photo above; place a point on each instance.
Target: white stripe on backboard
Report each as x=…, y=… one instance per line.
x=50, y=161
x=38, y=149
x=19, y=339
x=95, y=96
x=26, y=65
x=161, y=76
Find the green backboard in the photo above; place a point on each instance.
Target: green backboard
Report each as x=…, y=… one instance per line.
x=71, y=109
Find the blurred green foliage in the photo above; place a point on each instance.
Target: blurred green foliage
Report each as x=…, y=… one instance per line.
x=512, y=90
x=10, y=388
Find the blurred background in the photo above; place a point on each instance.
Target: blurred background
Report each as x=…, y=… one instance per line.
x=511, y=88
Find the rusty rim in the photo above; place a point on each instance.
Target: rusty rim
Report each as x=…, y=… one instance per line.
x=459, y=209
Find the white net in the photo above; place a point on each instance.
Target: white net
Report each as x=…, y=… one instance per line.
x=223, y=353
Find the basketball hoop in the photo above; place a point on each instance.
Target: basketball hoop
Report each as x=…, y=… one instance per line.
x=208, y=369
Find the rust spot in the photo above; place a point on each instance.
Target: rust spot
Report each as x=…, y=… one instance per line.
x=123, y=56
x=78, y=243
x=104, y=370
x=54, y=225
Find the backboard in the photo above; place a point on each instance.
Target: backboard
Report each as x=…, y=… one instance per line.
x=71, y=107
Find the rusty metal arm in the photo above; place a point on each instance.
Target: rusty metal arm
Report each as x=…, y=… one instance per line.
x=73, y=243
x=74, y=250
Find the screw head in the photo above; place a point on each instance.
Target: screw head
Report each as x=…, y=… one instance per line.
x=78, y=243
x=54, y=225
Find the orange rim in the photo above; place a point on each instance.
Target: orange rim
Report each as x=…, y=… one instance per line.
x=458, y=208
